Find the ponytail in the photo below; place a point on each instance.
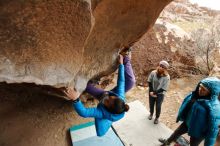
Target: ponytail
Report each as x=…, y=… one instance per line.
x=126, y=108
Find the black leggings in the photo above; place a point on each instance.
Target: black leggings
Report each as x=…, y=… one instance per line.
x=158, y=100
x=182, y=129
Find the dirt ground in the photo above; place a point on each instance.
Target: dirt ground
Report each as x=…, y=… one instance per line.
x=31, y=118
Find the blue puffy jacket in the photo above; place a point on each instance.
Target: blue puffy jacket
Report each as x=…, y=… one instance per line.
x=103, y=118
x=204, y=116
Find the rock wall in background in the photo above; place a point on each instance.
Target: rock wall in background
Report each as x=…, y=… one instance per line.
x=164, y=41
x=171, y=39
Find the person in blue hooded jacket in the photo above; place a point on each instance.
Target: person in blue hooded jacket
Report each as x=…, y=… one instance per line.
x=200, y=114
x=112, y=106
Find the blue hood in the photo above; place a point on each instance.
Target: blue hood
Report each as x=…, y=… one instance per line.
x=204, y=115
x=213, y=84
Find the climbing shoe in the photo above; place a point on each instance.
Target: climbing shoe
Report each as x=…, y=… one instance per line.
x=126, y=51
x=150, y=117
x=164, y=142
x=156, y=121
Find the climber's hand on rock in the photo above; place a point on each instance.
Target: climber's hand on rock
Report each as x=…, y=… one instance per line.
x=121, y=58
x=71, y=93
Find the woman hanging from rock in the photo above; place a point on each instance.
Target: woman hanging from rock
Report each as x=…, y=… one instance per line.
x=112, y=106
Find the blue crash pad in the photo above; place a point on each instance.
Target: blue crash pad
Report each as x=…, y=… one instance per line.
x=85, y=135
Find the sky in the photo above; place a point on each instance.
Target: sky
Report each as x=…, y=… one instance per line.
x=213, y=4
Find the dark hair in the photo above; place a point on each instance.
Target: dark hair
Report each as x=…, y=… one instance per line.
x=119, y=106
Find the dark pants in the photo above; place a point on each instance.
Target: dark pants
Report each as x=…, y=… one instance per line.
x=158, y=100
x=182, y=129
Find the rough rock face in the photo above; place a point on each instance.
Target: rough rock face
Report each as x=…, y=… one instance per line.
x=184, y=10
x=164, y=41
x=67, y=42
x=171, y=39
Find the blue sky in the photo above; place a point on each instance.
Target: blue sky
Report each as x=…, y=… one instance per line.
x=214, y=4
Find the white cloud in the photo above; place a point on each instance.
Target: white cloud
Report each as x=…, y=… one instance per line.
x=213, y=4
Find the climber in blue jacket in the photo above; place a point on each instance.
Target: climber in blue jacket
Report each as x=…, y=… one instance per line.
x=200, y=114
x=112, y=106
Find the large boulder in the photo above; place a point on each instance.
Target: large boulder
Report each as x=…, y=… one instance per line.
x=65, y=43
